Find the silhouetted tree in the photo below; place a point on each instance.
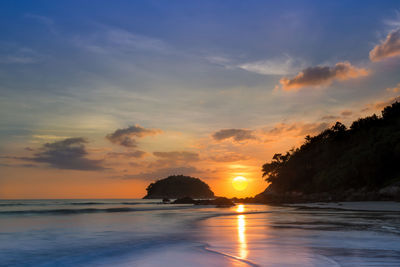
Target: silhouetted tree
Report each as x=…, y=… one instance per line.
x=366, y=155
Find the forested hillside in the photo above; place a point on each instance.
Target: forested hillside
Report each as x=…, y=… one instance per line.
x=367, y=156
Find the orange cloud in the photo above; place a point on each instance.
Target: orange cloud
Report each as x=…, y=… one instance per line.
x=229, y=157
x=296, y=129
x=395, y=89
x=378, y=106
x=323, y=75
x=178, y=155
x=390, y=47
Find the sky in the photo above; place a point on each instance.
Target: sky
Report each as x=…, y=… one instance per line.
x=100, y=98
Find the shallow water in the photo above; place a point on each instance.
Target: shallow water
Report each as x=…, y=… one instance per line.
x=147, y=233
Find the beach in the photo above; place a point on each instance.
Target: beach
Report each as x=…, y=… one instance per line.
x=132, y=232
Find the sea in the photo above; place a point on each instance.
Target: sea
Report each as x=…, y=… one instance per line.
x=136, y=232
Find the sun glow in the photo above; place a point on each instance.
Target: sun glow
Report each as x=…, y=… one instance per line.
x=239, y=183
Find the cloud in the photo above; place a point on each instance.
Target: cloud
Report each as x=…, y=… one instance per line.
x=388, y=48
x=378, y=106
x=322, y=76
x=126, y=136
x=46, y=21
x=42, y=19
x=277, y=66
x=67, y=154
x=178, y=155
x=11, y=54
x=236, y=134
x=173, y=159
x=395, y=89
x=343, y=115
x=329, y=118
x=134, y=154
x=229, y=157
x=162, y=173
x=111, y=39
x=346, y=113
x=296, y=129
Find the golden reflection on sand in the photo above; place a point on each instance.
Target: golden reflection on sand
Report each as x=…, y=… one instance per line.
x=241, y=226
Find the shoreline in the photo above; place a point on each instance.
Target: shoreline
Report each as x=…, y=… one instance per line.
x=372, y=206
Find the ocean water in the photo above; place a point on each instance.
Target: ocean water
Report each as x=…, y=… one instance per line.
x=132, y=232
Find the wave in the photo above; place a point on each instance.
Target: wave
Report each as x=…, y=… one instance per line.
x=81, y=211
x=111, y=203
x=75, y=203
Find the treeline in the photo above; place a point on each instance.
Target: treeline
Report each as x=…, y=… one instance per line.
x=367, y=155
x=179, y=186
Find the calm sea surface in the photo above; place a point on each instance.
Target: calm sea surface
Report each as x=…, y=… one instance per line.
x=132, y=232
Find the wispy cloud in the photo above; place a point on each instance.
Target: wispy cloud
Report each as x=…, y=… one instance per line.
x=46, y=21
x=110, y=40
x=228, y=157
x=162, y=173
x=178, y=155
x=296, y=129
x=277, y=66
x=379, y=105
x=134, y=154
x=12, y=54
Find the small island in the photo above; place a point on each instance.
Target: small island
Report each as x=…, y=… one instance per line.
x=179, y=186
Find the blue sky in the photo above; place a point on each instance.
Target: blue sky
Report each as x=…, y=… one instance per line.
x=72, y=69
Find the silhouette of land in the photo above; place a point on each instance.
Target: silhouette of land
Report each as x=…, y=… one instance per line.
x=340, y=164
x=179, y=186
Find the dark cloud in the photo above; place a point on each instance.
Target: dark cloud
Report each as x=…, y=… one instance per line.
x=126, y=136
x=322, y=75
x=236, y=134
x=133, y=154
x=162, y=173
x=390, y=47
x=178, y=155
x=68, y=154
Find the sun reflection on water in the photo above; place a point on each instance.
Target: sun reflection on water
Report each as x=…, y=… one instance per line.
x=240, y=208
x=241, y=226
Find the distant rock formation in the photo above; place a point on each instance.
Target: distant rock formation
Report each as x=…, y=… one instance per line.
x=219, y=201
x=179, y=186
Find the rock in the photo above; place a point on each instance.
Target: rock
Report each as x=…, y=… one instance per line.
x=219, y=201
x=390, y=191
x=184, y=200
x=222, y=202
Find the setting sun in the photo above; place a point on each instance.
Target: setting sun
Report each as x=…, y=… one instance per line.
x=239, y=183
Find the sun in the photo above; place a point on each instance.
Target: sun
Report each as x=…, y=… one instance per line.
x=239, y=183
